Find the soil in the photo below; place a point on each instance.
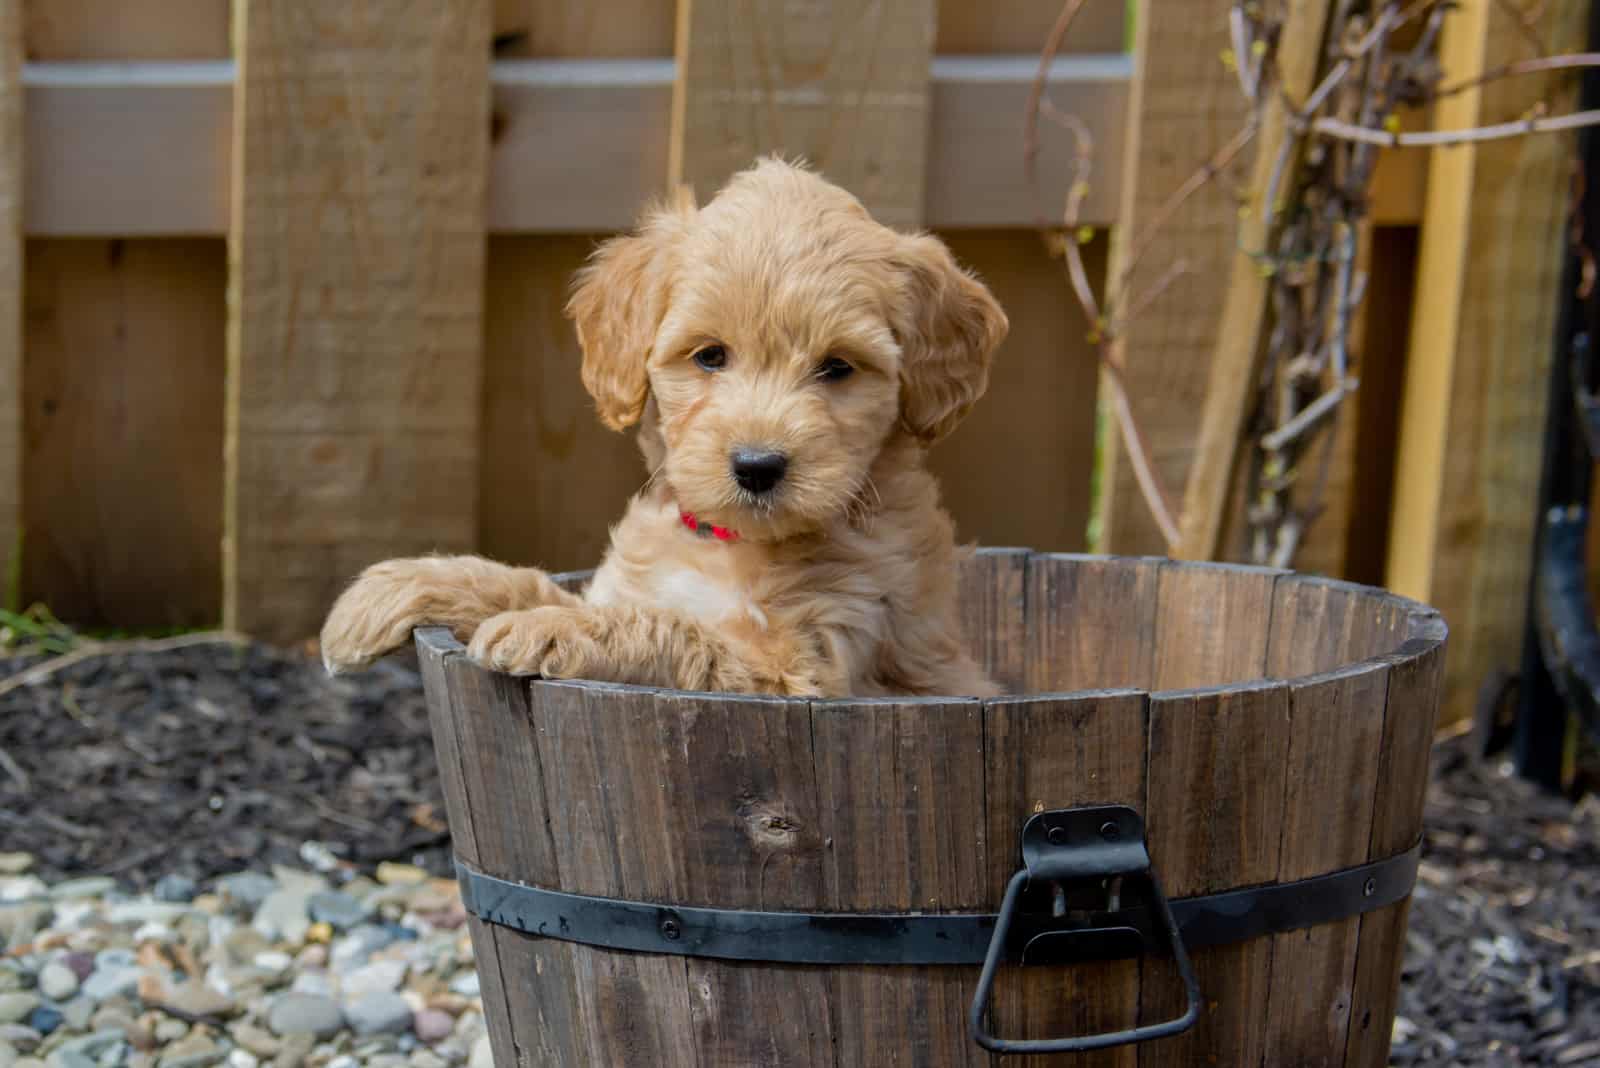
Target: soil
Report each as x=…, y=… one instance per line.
x=216, y=758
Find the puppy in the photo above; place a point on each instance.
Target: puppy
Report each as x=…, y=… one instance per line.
x=787, y=361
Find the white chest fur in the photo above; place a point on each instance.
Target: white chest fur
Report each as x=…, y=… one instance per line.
x=690, y=591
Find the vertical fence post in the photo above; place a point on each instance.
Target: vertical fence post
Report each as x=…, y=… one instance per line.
x=844, y=85
x=356, y=290
x=10, y=300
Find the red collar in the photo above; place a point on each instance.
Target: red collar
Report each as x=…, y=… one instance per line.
x=705, y=529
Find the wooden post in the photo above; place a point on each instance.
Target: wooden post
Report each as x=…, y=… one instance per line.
x=360, y=152
x=1233, y=366
x=1467, y=469
x=843, y=85
x=10, y=300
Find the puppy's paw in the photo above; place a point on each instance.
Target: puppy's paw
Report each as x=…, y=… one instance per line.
x=379, y=610
x=555, y=642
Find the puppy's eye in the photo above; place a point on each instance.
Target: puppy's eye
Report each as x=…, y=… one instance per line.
x=711, y=358
x=833, y=369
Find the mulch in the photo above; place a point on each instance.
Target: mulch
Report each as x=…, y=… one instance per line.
x=216, y=758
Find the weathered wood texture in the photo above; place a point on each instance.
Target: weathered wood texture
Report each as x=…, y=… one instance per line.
x=752, y=802
x=361, y=145
x=844, y=86
x=1185, y=106
x=127, y=29
x=123, y=388
x=1464, y=502
x=11, y=268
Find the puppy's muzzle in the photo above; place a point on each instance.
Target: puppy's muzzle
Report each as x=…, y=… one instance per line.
x=757, y=470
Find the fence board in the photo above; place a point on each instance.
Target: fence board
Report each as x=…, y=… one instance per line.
x=361, y=138
x=843, y=85
x=10, y=294
x=1475, y=396
x=128, y=29
x=123, y=392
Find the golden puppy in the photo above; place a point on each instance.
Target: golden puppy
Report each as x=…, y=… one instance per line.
x=788, y=361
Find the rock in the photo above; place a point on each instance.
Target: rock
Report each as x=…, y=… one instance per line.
x=80, y=889
x=67, y=1058
x=244, y=943
x=115, y=958
x=391, y=873
x=8, y=1054
x=19, y=923
x=320, y=933
x=246, y=890
x=381, y=976
x=305, y=1014
x=432, y=1026
x=14, y=1008
x=15, y=863
x=467, y=985
x=273, y=962
x=243, y=1058
x=194, y=1050
x=175, y=888
x=113, y=982
x=22, y=888
x=378, y=1013
x=30, y=1062
x=313, y=983
x=194, y=998
x=482, y=1055
x=296, y=1048
x=82, y=964
x=340, y=911
x=169, y=1030
x=257, y=1040
x=112, y=1018
x=283, y=916
x=57, y=981
x=426, y=1058
x=161, y=912
x=20, y=1037
x=74, y=1015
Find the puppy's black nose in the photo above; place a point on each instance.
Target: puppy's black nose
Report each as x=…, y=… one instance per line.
x=758, y=470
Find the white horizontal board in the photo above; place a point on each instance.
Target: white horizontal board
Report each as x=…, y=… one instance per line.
x=143, y=149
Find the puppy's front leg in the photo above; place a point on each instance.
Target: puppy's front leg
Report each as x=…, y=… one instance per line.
x=381, y=608
x=618, y=643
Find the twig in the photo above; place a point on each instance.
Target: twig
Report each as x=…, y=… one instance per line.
x=1160, y=286
x=1030, y=126
x=1348, y=131
x=1307, y=417
x=13, y=769
x=39, y=672
x=1575, y=61
x=1139, y=455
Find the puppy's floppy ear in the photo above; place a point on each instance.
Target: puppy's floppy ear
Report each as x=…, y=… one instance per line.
x=948, y=325
x=618, y=300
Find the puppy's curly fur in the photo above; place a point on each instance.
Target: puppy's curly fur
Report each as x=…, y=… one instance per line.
x=779, y=318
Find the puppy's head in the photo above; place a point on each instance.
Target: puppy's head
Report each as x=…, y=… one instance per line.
x=783, y=336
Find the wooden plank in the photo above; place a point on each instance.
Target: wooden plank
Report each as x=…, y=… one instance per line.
x=128, y=29
x=1477, y=382
x=123, y=391
x=1212, y=625
x=11, y=269
x=1022, y=26
x=1043, y=378
x=1091, y=623
x=697, y=800
x=1184, y=106
x=1409, y=715
x=553, y=479
x=902, y=785
x=143, y=148
x=1336, y=725
x=842, y=85
x=1059, y=752
x=356, y=294
x=993, y=602
x=561, y=29
x=1233, y=378
x=1214, y=822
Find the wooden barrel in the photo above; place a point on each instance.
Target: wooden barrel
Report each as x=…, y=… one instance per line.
x=1268, y=727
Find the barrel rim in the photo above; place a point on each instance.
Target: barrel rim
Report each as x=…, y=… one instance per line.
x=1426, y=630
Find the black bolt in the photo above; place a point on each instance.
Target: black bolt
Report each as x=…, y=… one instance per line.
x=670, y=930
x=1058, y=836
x=1370, y=888
x=1110, y=831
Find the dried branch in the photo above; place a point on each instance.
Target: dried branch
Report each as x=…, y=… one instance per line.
x=1346, y=131
x=1575, y=61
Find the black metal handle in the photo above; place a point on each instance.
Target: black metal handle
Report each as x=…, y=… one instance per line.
x=1068, y=856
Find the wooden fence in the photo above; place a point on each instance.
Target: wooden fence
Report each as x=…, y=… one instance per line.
x=281, y=281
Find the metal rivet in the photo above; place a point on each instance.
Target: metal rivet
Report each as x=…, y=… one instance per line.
x=1110, y=831
x=1370, y=888
x=670, y=930
x=1057, y=836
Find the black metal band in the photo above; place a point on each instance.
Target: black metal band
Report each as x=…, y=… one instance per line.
x=915, y=938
